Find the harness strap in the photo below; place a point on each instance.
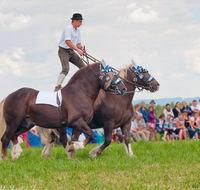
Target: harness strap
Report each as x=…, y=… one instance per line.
x=59, y=107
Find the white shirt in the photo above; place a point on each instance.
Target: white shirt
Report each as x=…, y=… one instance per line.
x=134, y=125
x=198, y=106
x=197, y=121
x=72, y=34
x=194, y=108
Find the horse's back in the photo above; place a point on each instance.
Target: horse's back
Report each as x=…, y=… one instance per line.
x=19, y=99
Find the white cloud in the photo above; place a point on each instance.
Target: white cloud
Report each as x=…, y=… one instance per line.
x=13, y=63
x=193, y=57
x=171, y=31
x=153, y=54
x=148, y=15
x=11, y=22
x=132, y=5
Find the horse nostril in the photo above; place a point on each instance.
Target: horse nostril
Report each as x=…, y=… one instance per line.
x=124, y=89
x=158, y=85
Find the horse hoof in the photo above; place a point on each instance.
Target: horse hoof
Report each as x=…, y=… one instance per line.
x=93, y=156
x=71, y=148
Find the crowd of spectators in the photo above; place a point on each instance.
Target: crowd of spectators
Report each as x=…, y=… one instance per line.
x=174, y=123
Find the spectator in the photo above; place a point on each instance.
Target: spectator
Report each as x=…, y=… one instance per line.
x=141, y=130
x=101, y=133
x=195, y=124
x=119, y=134
x=144, y=113
x=168, y=128
x=152, y=103
x=69, y=133
x=168, y=111
x=144, y=134
x=186, y=107
x=133, y=131
x=194, y=107
x=198, y=105
x=178, y=126
x=160, y=124
x=151, y=124
x=176, y=110
x=188, y=127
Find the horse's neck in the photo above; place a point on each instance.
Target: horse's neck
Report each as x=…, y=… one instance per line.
x=85, y=82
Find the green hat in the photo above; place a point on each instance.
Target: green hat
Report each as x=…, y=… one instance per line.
x=77, y=16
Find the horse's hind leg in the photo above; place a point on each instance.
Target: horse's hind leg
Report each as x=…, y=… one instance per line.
x=126, y=136
x=17, y=150
x=5, y=141
x=108, y=128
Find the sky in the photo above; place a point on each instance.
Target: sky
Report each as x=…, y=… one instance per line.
x=161, y=36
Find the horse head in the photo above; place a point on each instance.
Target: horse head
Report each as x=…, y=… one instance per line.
x=143, y=78
x=110, y=81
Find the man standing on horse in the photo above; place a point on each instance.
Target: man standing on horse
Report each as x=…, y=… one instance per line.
x=70, y=41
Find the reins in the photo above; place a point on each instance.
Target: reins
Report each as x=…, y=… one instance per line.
x=89, y=57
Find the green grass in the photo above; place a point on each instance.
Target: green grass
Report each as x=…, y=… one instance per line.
x=158, y=165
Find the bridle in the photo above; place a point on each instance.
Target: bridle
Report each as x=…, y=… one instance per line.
x=137, y=72
x=103, y=71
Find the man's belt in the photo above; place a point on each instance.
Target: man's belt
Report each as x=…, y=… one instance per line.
x=68, y=50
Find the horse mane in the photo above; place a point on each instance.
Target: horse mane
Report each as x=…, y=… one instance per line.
x=102, y=94
x=123, y=72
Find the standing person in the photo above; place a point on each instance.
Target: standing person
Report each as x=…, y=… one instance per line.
x=168, y=111
x=70, y=42
x=152, y=103
x=176, y=110
x=194, y=107
x=186, y=107
x=144, y=113
x=151, y=122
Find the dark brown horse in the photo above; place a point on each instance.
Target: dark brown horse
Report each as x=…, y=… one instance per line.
x=113, y=111
x=78, y=98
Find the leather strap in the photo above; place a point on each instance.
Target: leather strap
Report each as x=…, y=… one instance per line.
x=59, y=107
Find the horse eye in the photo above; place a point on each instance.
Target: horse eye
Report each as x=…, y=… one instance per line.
x=107, y=78
x=141, y=76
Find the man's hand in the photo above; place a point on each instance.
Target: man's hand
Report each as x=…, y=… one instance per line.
x=193, y=129
x=80, y=52
x=83, y=49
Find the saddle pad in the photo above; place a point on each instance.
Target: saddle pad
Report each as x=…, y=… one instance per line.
x=49, y=98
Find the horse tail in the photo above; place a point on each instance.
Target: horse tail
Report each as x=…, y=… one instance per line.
x=48, y=136
x=2, y=120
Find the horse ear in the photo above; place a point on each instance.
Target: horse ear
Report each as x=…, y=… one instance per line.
x=104, y=64
x=134, y=64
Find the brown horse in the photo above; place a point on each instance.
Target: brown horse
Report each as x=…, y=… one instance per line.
x=78, y=98
x=113, y=111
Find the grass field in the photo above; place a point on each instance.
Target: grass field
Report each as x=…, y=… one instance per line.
x=158, y=165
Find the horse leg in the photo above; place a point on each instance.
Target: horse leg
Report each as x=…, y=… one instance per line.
x=17, y=150
x=75, y=136
x=63, y=140
x=5, y=139
x=108, y=128
x=81, y=125
x=126, y=136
